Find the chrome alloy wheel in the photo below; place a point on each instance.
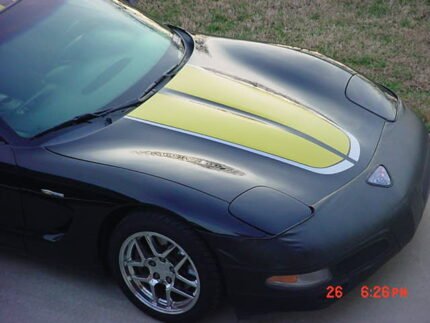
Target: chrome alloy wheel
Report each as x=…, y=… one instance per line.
x=159, y=272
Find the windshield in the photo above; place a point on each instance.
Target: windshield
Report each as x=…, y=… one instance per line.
x=63, y=58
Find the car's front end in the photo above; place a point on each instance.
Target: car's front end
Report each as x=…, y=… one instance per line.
x=292, y=144
x=352, y=232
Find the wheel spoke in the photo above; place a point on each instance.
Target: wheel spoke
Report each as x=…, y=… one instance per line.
x=153, y=294
x=141, y=279
x=132, y=263
x=179, y=292
x=139, y=250
x=187, y=281
x=169, y=299
x=168, y=251
x=151, y=245
x=181, y=263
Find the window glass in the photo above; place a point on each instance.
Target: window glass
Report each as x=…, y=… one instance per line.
x=60, y=59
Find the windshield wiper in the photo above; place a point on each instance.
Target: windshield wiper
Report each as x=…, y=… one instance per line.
x=155, y=86
x=152, y=89
x=76, y=120
x=82, y=118
x=148, y=93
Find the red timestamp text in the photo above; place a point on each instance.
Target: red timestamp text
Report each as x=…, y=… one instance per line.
x=334, y=292
x=377, y=292
x=385, y=291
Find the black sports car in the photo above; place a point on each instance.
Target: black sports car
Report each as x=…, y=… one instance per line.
x=196, y=167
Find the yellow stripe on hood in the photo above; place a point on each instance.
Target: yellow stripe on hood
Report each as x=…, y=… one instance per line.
x=191, y=116
x=214, y=87
x=207, y=117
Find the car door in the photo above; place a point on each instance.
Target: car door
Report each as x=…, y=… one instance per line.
x=62, y=211
x=11, y=218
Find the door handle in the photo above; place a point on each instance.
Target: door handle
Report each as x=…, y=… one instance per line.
x=52, y=193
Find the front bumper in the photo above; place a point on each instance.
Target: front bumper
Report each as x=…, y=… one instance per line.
x=353, y=232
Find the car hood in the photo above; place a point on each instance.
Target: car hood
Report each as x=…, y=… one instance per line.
x=242, y=114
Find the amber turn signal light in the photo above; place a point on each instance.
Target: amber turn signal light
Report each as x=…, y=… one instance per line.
x=287, y=279
x=301, y=280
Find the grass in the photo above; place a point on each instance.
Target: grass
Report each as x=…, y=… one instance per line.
x=386, y=40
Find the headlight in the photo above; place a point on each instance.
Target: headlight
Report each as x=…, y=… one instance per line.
x=269, y=210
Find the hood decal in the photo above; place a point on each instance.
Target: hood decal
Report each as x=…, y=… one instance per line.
x=243, y=96
x=217, y=108
x=252, y=117
x=204, y=163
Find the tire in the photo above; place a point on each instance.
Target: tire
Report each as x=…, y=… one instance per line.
x=130, y=255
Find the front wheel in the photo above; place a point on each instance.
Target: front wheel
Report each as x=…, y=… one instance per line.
x=163, y=267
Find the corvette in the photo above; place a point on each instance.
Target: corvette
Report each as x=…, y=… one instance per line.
x=198, y=168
